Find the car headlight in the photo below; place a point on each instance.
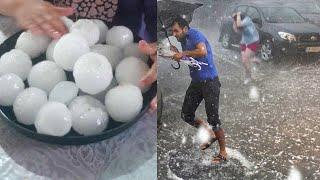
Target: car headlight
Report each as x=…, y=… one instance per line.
x=287, y=36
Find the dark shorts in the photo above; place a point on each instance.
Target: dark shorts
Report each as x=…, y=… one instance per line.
x=197, y=91
x=253, y=46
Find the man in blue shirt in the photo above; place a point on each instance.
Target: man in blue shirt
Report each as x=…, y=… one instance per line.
x=204, y=85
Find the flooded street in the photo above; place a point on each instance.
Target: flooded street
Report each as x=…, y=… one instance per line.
x=272, y=125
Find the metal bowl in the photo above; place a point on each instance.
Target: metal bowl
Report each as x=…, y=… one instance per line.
x=72, y=138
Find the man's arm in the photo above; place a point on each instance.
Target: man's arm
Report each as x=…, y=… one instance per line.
x=200, y=51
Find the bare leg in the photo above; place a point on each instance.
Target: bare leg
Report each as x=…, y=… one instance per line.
x=222, y=144
x=246, y=64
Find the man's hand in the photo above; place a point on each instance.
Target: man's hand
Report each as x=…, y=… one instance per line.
x=174, y=49
x=149, y=49
x=177, y=56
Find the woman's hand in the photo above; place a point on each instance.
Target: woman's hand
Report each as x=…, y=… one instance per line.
x=40, y=17
x=149, y=49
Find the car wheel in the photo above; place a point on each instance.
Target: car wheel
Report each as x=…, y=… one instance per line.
x=226, y=40
x=266, y=51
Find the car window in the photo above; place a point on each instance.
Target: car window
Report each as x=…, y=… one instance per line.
x=253, y=13
x=281, y=15
x=241, y=9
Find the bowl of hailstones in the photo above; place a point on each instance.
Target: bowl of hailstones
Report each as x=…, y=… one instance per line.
x=79, y=89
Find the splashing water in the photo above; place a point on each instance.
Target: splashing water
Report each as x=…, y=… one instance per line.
x=254, y=94
x=184, y=140
x=294, y=174
x=203, y=135
x=234, y=154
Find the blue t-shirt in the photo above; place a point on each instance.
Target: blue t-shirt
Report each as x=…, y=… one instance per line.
x=207, y=72
x=250, y=33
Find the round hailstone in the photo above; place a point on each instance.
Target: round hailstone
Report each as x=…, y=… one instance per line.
x=101, y=96
x=64, y=92
x=92, y=73
x=133, y=50
x=27, y=105
x=3, y=37
x=112, y=53
x=68, y=50
x=10, y=86
x=131, y=70
x=17, y=62
x=32, y=44
x=119, y=36
x=124, y=102
x=87, y=29
x=45, y=75
x=53, y=119
x=89, y=116
x=67, y=22
x=49, y=53
x=103, y=28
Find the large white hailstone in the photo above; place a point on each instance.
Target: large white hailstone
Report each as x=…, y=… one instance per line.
x=87, y=29
x=67, y=22
x=119, y=36
x=68, y=50
x=33, y=45
x=27, y=104
x=101, y=96
x=53, y=119
x=64, y=92
x=92, y=73
x=17, y=62
x=89, y=116
x=124, y=102
x=103, y=28
x=3, y=37
x=45, y=75
x=133, y=50
x=49, y=53
x=10, y=86
x=131, y=70
x=112, y=53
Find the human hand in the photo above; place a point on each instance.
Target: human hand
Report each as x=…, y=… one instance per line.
x=41, y=17
x=177, y=56
x=149, y=49
x=174, y=49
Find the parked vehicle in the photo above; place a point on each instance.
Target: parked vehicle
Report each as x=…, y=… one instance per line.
x=282, y=30
x=309, y=10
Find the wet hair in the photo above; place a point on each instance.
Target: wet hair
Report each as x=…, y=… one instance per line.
x=181, y=22
x=242, y=15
